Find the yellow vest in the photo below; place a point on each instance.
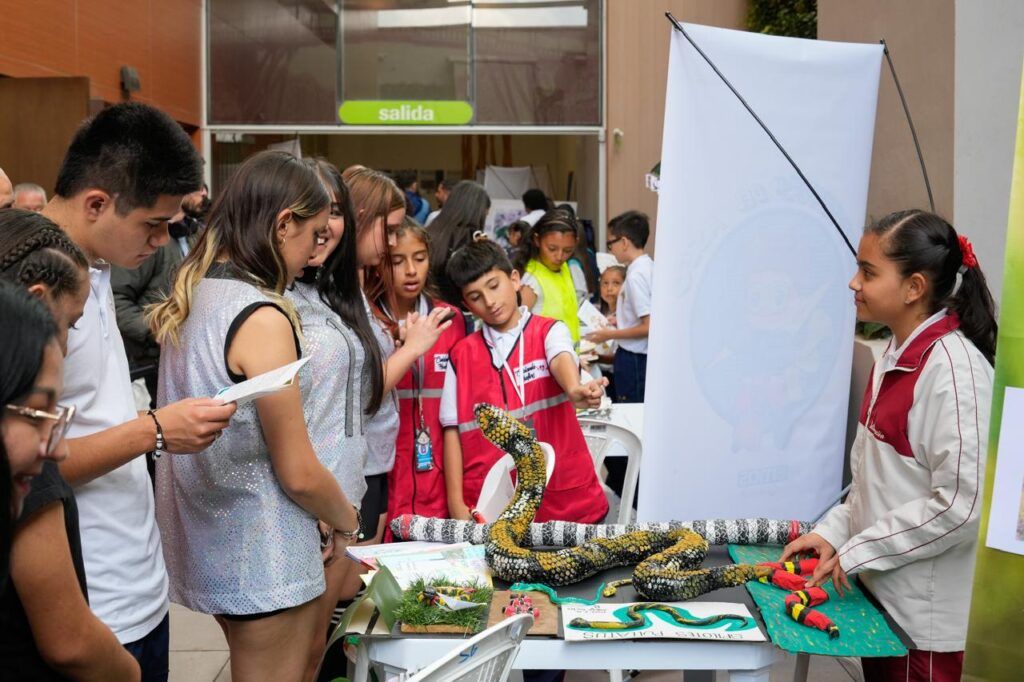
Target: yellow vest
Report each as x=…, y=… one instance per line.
x=559, y=295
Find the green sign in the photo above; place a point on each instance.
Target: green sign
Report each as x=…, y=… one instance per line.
x=401, y=113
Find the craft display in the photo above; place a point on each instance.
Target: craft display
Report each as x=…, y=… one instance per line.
x=713, y=621
x=553, y=596
x=667, y=562
x=443, y=606
x=755, y=531
x=634, y=618
x=545, y=622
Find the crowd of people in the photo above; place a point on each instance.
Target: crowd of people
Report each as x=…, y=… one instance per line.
x=117, y=499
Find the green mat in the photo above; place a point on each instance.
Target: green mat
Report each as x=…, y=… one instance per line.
x=863, y=630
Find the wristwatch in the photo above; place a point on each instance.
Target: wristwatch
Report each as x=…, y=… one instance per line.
x=161, y=445
x=356, y=534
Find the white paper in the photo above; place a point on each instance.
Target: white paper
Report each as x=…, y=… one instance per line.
x=752, y=322
x=1006, y=514
x=368, y=555
x=660, y=625
x=462, y=564
x=261, y=385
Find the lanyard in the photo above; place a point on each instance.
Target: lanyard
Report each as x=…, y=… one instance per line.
x=518, y=385
x=418, y=378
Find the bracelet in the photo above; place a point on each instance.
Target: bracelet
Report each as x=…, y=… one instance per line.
x=161, y=445
x=356, y=534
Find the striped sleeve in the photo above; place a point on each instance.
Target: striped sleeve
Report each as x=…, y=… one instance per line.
x=947, y=429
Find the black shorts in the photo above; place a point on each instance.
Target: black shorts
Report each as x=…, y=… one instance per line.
x=250, y=616
x=375, y=503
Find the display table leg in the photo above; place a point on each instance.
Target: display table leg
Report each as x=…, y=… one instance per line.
x=803, y=663
x=759, y=675
x=698, y=676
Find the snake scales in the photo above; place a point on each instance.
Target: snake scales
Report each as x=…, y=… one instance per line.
x=667, y=561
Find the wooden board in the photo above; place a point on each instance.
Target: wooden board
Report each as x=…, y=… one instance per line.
x=437, y=629
x=546, y=625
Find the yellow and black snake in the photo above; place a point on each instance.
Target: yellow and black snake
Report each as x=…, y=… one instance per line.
x=636, y=619
x=667, y=562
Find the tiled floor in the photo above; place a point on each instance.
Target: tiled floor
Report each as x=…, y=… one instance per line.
x=199, y=653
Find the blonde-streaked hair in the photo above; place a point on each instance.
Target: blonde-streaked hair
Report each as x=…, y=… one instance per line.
x=242, y=231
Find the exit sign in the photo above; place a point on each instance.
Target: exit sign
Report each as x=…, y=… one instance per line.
x=405, y=113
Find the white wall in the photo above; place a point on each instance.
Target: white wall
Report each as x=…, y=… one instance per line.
x=989, y=52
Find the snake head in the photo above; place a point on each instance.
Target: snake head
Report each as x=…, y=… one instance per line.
x=579, y=623
x=498, y=426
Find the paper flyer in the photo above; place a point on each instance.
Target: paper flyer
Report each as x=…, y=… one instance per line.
x=261, y=385
x=461, y=563
x=658, y=624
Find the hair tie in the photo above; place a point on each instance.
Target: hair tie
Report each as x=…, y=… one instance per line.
x=480, y=236
x=969, y=260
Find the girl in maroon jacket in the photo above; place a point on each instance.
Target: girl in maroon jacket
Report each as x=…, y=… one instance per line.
x=416, y=483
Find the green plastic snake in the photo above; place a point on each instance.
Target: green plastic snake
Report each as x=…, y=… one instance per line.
x=668, y=563
x=636, y=618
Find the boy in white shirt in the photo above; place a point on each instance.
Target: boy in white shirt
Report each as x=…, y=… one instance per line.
x=121, y=181
x=628, y=234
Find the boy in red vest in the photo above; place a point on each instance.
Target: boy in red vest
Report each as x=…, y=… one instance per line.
x=526, y=364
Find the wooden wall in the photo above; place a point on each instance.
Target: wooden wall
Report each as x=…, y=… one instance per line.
x=920, y=35
x=638, y=41
x=94, y=38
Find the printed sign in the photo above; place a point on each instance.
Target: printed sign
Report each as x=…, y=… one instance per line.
x=678, y=620
x=395, y=112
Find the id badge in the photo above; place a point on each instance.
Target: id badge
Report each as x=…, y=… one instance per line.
x=424, y=450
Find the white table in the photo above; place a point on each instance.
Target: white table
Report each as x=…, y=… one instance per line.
x=745, y=661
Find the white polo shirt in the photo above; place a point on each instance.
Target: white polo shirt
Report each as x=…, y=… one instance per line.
x=124, y=564
x=557, y=341
x=635, y=301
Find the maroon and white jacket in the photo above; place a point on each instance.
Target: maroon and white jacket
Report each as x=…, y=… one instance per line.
x=909, y=526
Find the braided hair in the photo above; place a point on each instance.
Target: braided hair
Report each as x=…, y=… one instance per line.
x=919, y=241
x=33, y=250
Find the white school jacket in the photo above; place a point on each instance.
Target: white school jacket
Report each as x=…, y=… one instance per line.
x=910, y=523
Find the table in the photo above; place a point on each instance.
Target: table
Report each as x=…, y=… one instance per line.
x=745, y=661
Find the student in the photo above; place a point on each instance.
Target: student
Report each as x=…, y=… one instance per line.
x=612, y=279
x=536, y=204
x=547, y=284
x=628, y=237
x=464, y=213
x=49, y=630
x=416, y=481
x=524, y=363
x=36, y=254
x=345, y=359
x=122, y=179
x=908, y=529
x=239, y=522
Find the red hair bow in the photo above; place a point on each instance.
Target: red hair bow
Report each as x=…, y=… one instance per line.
x=969, y=259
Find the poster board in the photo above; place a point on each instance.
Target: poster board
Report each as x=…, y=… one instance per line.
x=752, y=323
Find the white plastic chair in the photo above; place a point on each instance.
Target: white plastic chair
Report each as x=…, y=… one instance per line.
x=497, y=488
x=487, y=657
x=600, y=436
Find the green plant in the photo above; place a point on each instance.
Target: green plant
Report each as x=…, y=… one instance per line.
x=794, y=18
x=873, y=330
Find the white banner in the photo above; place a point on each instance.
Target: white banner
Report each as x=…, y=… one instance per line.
x=752, y=322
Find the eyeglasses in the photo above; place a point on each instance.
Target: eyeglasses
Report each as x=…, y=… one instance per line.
x=61, y=418
x=609, y=242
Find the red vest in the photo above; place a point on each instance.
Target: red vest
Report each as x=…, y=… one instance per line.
x=573, y=493
x=422, y=492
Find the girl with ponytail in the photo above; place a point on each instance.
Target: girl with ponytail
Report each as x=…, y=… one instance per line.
x=239, y=520
x=908, y=529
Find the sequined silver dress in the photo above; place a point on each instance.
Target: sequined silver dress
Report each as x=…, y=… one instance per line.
x=382, y=428
x=233, y=541
x=340, y=387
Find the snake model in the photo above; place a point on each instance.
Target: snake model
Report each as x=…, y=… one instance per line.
x=636, y=618
x=667, y=561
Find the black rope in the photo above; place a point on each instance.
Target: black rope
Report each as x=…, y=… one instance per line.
x=910, y=121
x=679, y=27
